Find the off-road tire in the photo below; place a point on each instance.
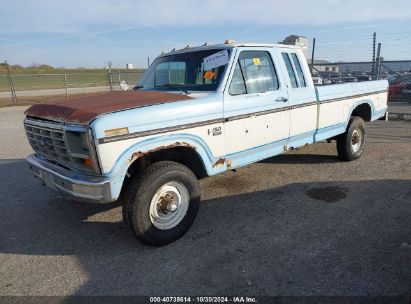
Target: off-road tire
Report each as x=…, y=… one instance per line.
x=345, y=141
x=139, y=193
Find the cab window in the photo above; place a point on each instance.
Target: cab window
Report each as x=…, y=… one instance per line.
x=237, y=86
x=299, y=70
x=294, y=69
x=254, y=73
x=290, y=70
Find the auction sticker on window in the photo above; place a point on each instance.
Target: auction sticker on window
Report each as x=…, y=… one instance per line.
x=257, y=61
x=216, y=60
x=208, y=75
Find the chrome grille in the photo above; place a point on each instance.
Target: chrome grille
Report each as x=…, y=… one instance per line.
x=47, y=139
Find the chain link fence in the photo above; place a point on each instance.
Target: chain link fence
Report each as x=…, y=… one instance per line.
x=398, y=74
x=130, y=78
x=27, y=88
x=341, y=60
x=38, y=87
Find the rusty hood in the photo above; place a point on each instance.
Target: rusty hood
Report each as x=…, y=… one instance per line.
x=83, y=109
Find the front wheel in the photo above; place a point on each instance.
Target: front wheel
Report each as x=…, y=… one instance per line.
x=161, y=202
x=350, y=144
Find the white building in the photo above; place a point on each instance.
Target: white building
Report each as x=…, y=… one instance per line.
x=325, y=66
x=300, y=41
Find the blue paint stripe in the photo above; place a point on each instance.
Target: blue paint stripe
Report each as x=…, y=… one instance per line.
x=254, y=154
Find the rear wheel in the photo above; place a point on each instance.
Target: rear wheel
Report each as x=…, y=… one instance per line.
x=161, y=203
x=350, y=144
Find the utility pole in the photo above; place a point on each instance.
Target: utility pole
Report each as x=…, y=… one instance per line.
x=13, y=91
x=312, y=57
x=374, y=38
x=148, y=62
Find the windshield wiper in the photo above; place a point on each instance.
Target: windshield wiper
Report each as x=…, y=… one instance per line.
x=138, y=87
x=176, y=85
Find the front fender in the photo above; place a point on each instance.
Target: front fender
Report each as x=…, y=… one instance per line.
x=123, y=162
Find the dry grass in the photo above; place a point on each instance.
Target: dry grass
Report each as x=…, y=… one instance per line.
x=25, y=101
x=36, y=81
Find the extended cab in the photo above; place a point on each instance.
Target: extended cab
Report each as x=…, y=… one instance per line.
x=196, y=112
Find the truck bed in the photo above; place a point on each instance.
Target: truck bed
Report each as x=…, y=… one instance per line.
x=338, y=102
x=350, y=90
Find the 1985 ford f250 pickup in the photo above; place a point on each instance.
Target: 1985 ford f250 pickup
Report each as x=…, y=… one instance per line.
x=196, y=112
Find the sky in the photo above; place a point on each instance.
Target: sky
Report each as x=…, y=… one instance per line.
x=89, y=33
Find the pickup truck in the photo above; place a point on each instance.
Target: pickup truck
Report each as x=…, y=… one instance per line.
x=196, y=112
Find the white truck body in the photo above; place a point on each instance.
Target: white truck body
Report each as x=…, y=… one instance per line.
x=211, y=109
x=229, y=131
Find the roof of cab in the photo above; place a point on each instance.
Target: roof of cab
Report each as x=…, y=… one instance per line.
x=226, y=46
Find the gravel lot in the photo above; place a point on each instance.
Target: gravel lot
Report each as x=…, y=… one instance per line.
x=302, y=223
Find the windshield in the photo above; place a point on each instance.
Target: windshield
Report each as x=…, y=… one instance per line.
x=191, y=71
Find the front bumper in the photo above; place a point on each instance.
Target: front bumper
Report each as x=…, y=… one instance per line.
x=82, y=187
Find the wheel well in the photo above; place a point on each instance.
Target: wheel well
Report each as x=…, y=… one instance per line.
x=180, y=154
x=363, y=111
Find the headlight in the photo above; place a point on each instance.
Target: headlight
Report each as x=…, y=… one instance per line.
x=81, y=150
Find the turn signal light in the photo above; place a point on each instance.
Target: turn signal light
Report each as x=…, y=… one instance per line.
x=88, y=162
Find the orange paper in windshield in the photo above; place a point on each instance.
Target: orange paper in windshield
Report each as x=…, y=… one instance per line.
x=208, y=75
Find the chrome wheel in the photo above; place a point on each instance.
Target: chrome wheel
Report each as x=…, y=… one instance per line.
x=169, y=205
x=356, y=140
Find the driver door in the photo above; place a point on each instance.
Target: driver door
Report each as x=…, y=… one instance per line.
x=255, y=105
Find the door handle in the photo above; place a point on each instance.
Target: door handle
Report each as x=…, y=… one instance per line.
x=282, y=99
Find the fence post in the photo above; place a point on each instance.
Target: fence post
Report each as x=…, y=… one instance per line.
x=312, y=57
x=65, y=85
x=110, y=81
x=374, y=37
x=380, y=61
x=377, y=63
x=12, y=90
